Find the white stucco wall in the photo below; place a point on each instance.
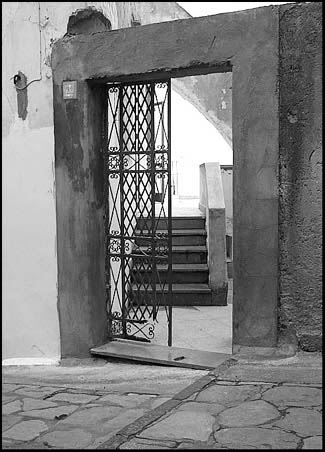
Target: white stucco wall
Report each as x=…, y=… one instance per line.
x=30, y=323
x=194, y=141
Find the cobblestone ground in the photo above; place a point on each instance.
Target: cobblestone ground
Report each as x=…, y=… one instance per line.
x=221, y=414
x=54, y=417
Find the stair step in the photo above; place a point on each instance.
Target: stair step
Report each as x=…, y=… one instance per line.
x=175, y=232
x=182, y=295
x=179, y=237
x=177, y=222
x=176, y=288
x=176, y=267
x=181, y=254
x=230, y=269
x=181, y=273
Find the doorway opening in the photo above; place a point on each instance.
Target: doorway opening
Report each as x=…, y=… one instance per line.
x=200, y=321
x=166, y=255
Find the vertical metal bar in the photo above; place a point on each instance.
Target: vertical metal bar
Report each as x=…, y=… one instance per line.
x=105, y=151
x=153, y=191
x=122, y=88
x=170, y=240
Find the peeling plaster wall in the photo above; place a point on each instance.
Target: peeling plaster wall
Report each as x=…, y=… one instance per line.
x=30, y=316
x=300, y=219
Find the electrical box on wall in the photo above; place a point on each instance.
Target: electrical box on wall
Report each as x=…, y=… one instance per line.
x=69, y=90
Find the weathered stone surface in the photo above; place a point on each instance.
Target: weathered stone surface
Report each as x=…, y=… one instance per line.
x=92, y=416
x=256, y=437
x=198, y=445
x=8, y=387
x=73, y=398
x=26, y=430
x=211, y=408
x=182, y=425
x=154, y=402
x=32, y=404
x=314, y=442
x=247, y=414
x=101, y=439
x=126, y=400
x=228, y=395
x=7, y=399
x=51, y=413
x=36, y=394
x=9, y=421
x=70, y=439
x=300, y=188
x=276, y=374
x=305, y=422
x=12, y=407
x=122, y=419
x=141, y=443
x=293, y=396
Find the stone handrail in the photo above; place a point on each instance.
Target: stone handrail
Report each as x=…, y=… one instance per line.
x=212, y=205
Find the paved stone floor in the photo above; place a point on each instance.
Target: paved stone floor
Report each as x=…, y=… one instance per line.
x=212, y=326
x=245, y=404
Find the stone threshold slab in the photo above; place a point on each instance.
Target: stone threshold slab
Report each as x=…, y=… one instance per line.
x=160, y=354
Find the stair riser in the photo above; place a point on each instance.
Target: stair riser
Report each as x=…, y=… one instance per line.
x=177, y=223
x=178, y=277
x=184, y=258
x=181, y=299
x=190, y=240
x=230, y=270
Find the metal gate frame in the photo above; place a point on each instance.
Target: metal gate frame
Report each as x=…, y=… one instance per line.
x=137, y=155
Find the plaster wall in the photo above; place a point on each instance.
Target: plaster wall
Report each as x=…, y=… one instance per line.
x=300, y=213
x=30, y=316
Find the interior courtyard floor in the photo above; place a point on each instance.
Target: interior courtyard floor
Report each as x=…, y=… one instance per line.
x=206, y=328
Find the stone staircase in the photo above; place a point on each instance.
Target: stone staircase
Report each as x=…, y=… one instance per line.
x=190, y=272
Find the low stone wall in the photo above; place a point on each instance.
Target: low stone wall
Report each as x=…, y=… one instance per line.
x=212, y=205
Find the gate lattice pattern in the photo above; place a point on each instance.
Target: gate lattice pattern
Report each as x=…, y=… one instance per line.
x=138, y=208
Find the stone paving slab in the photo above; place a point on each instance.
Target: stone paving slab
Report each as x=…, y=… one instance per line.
x=210, y=413
x=193, y=425
x=306, y=422
x=285, y=396
x=256, y=438
x=26, y=430
x=276, y=374
x=51, y=413
x=313, y=442
x=73, y=398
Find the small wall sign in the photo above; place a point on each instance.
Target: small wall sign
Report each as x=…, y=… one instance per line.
x=69, y=89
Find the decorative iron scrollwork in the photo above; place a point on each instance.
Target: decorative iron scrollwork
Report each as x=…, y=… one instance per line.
x=113, y=89
x=161, y=85
x=113, y=162
x=147, y=330
x=160, y=162
x=116, y=324
x=113, y=149
x=115, y=246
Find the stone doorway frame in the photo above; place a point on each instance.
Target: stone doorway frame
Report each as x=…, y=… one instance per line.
x=245, y=43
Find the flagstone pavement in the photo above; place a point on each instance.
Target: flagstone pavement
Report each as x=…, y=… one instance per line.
x=241, y=405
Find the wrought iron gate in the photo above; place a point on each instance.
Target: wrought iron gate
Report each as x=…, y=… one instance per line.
x=138, y=209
